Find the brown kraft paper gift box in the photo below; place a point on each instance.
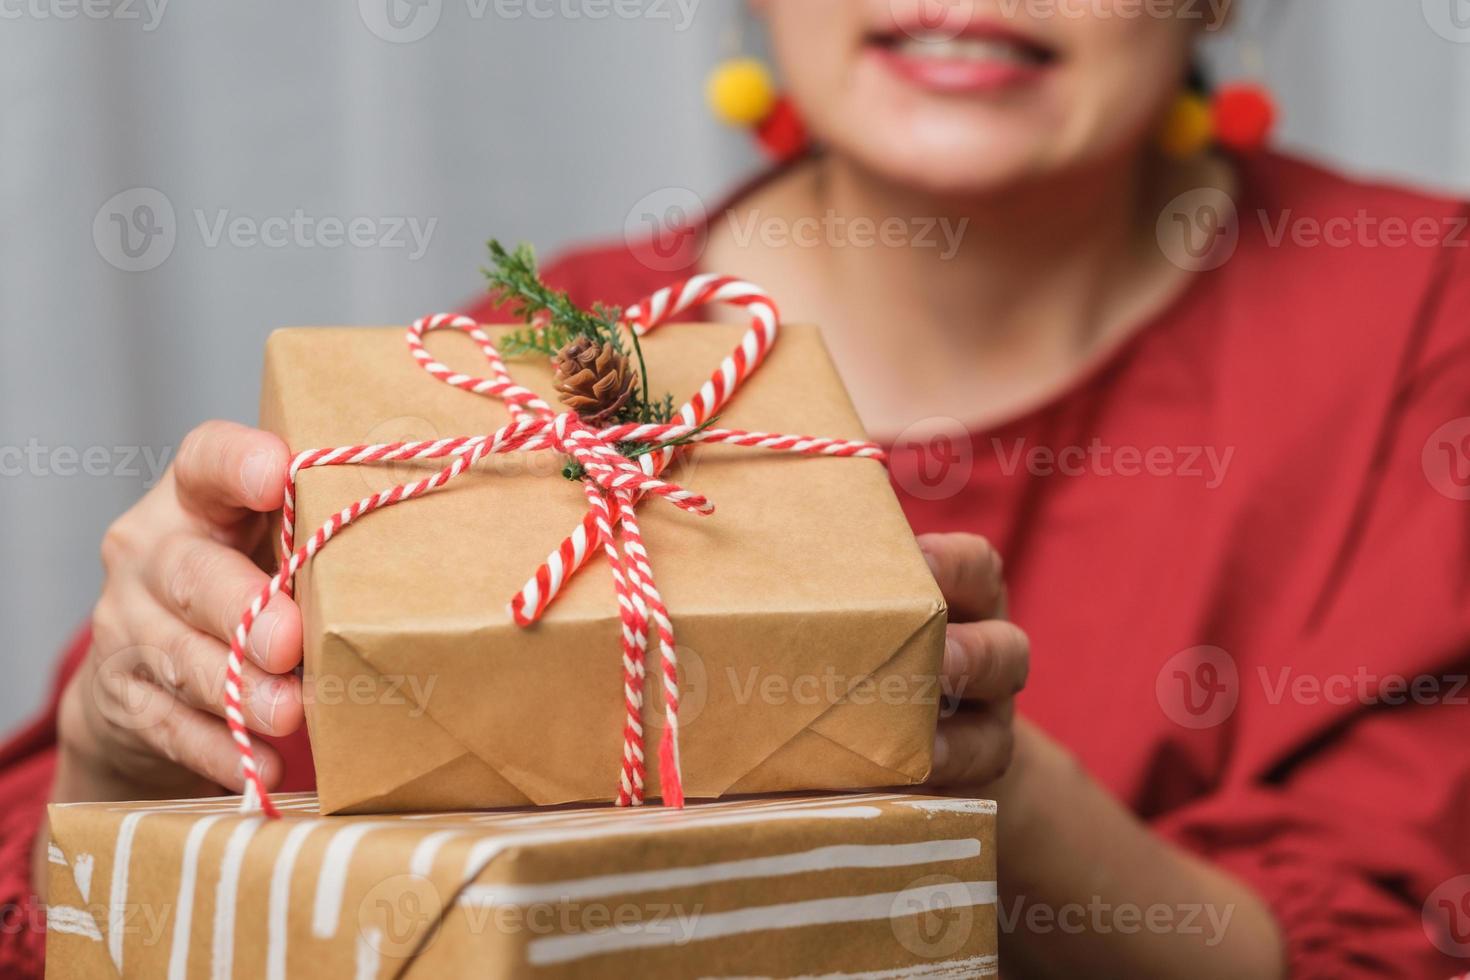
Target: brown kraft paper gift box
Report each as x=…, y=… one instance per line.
x=809, y=626
x=877, y=885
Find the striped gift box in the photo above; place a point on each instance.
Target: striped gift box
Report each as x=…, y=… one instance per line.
x=876, y=885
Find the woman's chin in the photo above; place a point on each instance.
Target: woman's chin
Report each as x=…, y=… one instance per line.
x=966, y=167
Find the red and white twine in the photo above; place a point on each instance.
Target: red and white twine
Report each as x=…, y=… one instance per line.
x=614, y=486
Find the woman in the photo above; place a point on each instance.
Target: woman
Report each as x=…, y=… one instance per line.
x=1226, y=498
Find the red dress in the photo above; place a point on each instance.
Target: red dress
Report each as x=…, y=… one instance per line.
x=1241, y=546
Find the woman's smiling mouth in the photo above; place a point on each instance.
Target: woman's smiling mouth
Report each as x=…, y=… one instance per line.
x=982, y=58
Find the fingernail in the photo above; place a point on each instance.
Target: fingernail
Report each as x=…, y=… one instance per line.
x=256, y=473
x=953, y=657
x=261, y=632
x=941, y=751
x=269, y=694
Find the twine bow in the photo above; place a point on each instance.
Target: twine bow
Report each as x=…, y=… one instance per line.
x=614, y=486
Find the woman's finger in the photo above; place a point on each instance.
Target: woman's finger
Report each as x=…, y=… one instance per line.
x=225, y=472
x=210, y=586
x=150, y=721
x=972, y=749
x=969, y=572
x=202, y=743
x=985, y=661
x=195, y=669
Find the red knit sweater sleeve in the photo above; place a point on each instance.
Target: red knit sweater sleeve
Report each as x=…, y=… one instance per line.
x=27, y=763
x=1358, y=837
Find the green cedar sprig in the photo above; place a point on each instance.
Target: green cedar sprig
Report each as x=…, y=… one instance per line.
x=517, y=284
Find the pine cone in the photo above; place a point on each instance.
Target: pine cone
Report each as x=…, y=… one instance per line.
x=593, y=379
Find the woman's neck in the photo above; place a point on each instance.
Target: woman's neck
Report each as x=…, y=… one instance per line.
x=972, y=307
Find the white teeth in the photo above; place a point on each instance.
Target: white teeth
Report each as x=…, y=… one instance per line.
x=965, y=49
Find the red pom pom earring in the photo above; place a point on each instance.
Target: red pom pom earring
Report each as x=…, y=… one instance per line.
x=742, y=93
x=1238, y=116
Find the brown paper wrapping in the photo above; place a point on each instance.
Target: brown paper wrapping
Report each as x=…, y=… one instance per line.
x=809, y=626
x=878, y=885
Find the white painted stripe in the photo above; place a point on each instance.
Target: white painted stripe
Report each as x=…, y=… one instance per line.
x=487, y=850
x=974, y=966
x=422, y=861
x=840, y=856
x=81, y=873
x=225, y=894
x=72, y=921
x=117, y=900
x=368, y=958
x=54, y=855
x=332, y=880
x=613, y=815
x=178, y=960
x=551, y=950
x=952, y=806
x=280, y=899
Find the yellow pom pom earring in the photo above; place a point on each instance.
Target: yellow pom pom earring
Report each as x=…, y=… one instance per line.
x=742, y=93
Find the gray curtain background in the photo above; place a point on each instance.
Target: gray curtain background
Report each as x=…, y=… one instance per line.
x=145, y=147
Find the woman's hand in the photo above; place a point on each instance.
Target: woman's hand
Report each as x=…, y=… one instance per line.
x=986, y=659
x=144, y=715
